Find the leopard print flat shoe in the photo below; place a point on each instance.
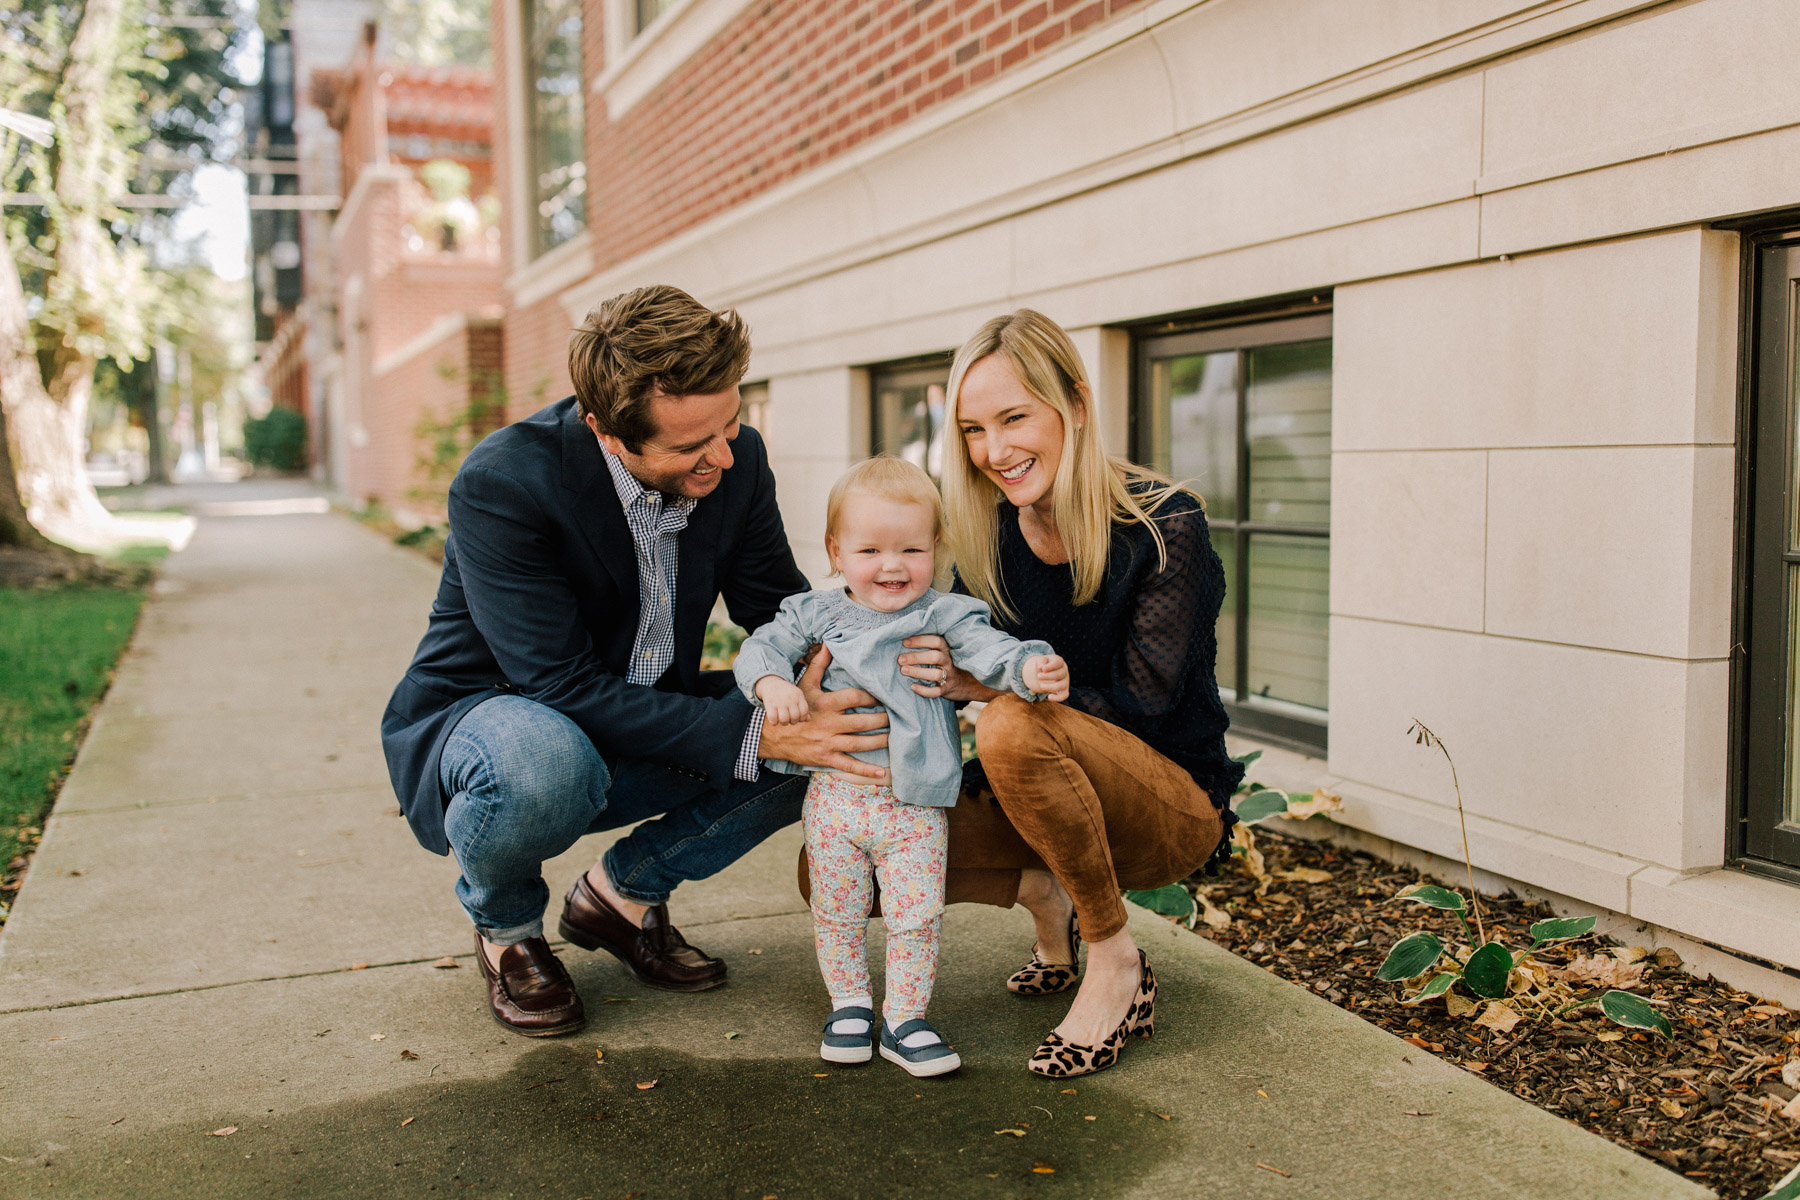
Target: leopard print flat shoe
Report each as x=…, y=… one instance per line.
x=1059, y=1058
x=1040, y=978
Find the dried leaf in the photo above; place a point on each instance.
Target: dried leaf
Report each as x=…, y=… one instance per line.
x=446, y=964
x=1042, y=1169
x=1215, y=917
x=1792, y=1109
x=359, y=966
x=733, y=1034
x=1498, y=1016
x=225, y=1132
x=599, y=1054
x=1459, y=1006
x=1765, y=1011
x=644, y=1087
x=1603, y=969
x=1306, y=875
x=1790, y=1073
x=1469, y=1064
x=1630, y=954
x=1322, y=802
x=1671, y=1109
x=1610, y=1035
x=1010, y=1132
x=1665, y=956
x=408, y=1054
x=378, y=1037
x=407, y=1122
x=1067, y=1092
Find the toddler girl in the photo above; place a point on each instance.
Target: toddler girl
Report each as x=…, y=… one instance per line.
x=882, y=524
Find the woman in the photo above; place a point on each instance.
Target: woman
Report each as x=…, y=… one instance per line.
x=1127, y=784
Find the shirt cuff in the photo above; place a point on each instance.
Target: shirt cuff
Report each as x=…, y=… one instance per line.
x=747, y=762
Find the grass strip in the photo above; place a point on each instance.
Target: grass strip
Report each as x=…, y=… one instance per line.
x=58, y=647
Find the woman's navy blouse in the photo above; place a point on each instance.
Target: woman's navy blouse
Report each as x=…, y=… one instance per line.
x=1141, y=654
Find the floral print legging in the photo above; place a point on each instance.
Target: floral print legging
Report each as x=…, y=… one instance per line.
x=852, y=832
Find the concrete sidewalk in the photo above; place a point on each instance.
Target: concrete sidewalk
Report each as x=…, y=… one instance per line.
x=188, y=955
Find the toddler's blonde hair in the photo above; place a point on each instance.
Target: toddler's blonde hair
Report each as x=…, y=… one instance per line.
x=890, y=478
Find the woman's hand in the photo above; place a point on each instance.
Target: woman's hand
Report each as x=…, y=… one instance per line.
x=829, y=733
x=928, y=660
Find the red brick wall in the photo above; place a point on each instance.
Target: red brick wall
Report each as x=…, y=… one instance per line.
x=789, y=85
x=537, y=357
x=438, y=384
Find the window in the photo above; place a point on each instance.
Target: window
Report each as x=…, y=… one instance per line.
x=554, y=111
x=753, y=406
x=1768, y=673
x=1243, y=415
x=647, y=11
x=908, y=418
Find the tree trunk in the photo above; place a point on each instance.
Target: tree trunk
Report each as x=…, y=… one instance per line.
x=47, y=419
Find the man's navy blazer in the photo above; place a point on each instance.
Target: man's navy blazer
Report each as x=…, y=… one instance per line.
x=539, y=598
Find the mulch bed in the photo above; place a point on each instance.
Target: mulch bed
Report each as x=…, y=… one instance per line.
x=1706, y=1103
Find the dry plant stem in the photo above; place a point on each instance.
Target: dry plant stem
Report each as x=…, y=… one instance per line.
x=1462, y=822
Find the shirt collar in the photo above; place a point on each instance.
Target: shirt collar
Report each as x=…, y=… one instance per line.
x=631, y=491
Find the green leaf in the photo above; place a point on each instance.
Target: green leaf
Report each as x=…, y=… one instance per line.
x=1411, y=955
x=1171, y=901
x=1432, y=896
x=1631, y=1011
x=1558, y=928
x=1788, y=1188
x=1487, y=969
x=1438, y=986
x=1258, y=805
x=1247, y=759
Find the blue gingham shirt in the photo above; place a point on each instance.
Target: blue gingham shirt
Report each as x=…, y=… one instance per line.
x=656, y=524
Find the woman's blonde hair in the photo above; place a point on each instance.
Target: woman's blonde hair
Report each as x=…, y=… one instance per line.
x=892, y=479
x=1092, y=489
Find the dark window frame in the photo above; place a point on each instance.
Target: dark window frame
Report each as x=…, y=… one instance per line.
x=1242, y=332
x=1768, y=477
x=921, y=369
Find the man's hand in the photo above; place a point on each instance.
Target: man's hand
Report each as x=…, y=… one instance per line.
x=1048, y=675
x=784, y=703
x=829, y=733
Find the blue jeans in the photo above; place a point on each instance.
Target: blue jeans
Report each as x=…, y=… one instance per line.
x=525, y=783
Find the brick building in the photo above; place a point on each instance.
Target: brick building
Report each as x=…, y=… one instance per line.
x=1471, y=322
x=416, y=276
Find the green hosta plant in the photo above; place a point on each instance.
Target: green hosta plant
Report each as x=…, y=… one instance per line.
x=1515, y=986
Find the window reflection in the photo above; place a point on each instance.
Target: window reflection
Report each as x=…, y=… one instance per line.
x=559, y=169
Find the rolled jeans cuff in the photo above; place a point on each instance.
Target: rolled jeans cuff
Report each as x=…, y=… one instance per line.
x=512, y=935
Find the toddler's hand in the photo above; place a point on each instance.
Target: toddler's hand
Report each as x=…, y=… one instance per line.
x=784, y=703
x=1049, y=675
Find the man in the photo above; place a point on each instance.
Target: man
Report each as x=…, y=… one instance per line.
x=558, y=690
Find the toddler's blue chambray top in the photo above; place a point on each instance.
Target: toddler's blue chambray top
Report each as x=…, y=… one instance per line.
x=924, y=752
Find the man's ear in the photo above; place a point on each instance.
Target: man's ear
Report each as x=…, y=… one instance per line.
x=613, y=445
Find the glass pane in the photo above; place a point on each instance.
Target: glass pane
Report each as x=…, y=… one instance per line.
x=1289, y=606
x=909, y=419
x=753, y=406
x=558, y=156
x=1287, y=419
x=1225, y=542
x=649, y=10
x=1194, y=402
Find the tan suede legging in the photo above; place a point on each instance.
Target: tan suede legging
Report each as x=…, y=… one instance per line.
x=1093, y=803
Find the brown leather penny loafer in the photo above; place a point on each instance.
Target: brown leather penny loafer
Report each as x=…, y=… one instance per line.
x=656, y=954
x=531, y=994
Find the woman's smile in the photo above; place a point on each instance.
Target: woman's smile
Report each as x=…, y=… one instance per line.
x=1016, y=474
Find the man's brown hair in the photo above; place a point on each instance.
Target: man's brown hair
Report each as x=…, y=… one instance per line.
x=652, y=340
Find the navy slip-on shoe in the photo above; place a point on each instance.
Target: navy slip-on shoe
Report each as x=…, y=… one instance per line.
x=848, y=1047
x=934, y=1058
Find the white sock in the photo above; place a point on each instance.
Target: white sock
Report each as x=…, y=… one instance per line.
x=851, y=1026
x=919, y=1037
